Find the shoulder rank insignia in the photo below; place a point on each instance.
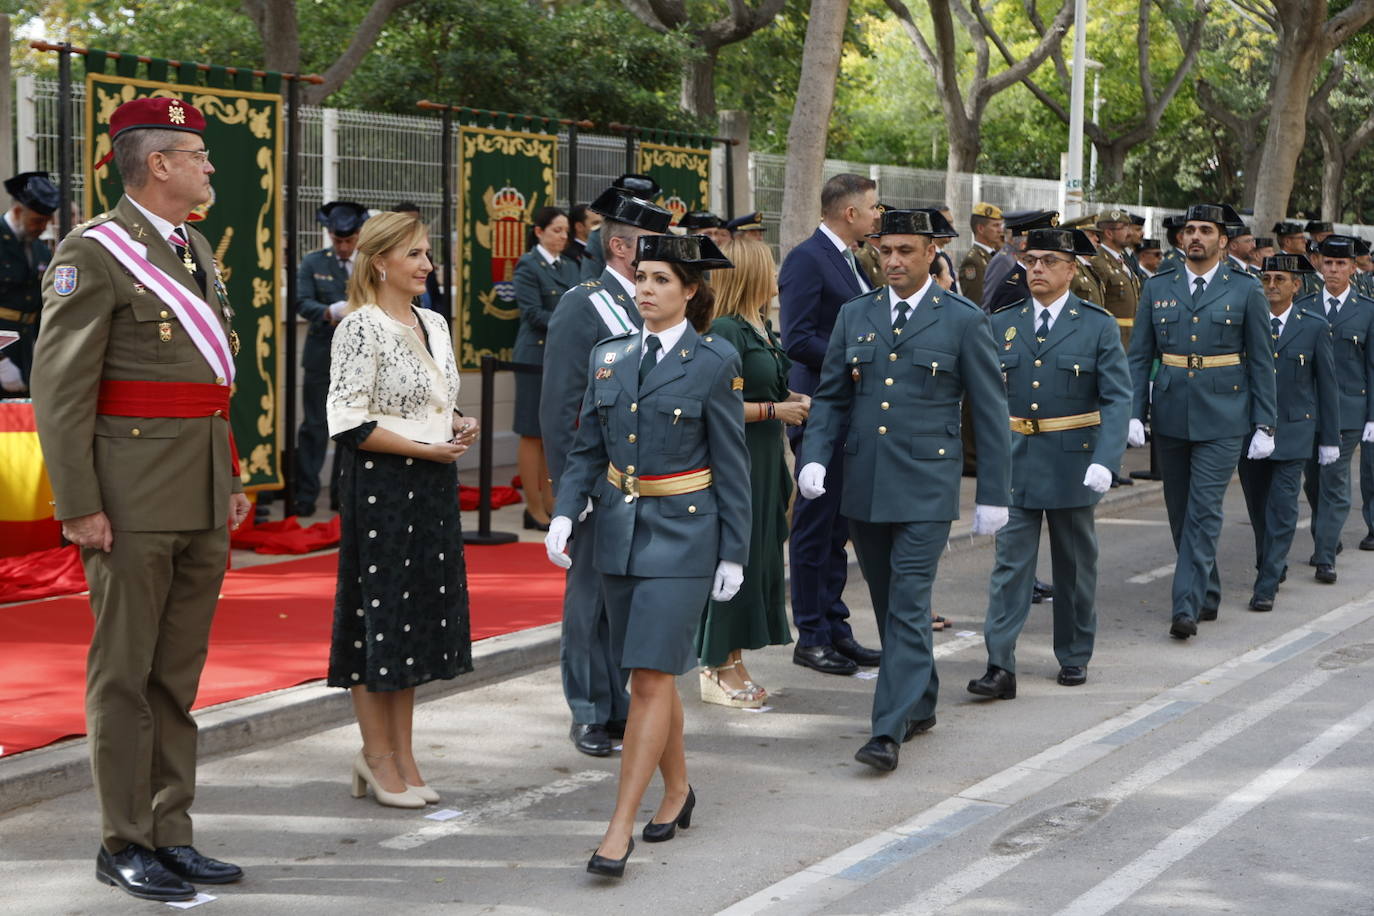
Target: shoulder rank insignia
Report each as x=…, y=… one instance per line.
x=64, y=279
x=737, y=383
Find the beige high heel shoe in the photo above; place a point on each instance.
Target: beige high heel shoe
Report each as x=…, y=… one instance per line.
x=363, y=779
x=713, y=691
x=427, y=795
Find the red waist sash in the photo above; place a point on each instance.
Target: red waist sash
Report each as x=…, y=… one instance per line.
x=130, y=398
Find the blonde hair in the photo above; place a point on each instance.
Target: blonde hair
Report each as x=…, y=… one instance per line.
x=381, y=234
x=748, y=289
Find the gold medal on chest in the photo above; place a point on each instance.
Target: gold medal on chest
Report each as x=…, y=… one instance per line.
x=1010, y=335
x=164, y=332
x=233, y=342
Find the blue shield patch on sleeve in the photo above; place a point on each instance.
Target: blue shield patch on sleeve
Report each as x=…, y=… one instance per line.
x=64, y=280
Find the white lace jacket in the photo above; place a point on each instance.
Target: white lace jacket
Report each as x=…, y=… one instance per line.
x=380, y=371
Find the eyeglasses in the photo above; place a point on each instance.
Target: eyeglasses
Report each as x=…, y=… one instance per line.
x=201, y=156
x=1048, y=260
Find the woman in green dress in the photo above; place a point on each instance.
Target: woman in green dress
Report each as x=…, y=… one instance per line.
x=757, y=615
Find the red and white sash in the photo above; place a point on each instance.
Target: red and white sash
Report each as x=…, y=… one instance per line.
x=197, y=317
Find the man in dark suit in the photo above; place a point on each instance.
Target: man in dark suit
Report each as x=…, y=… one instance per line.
x=23, y=258
x=817, y=277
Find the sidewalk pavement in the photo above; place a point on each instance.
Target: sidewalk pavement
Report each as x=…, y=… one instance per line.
x=64, y=767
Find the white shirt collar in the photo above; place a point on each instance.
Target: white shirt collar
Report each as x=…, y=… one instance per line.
x=913, y=300
x=1283, y=318
x=668, y=338
x=14, y=226
x=162, y=226
x=1111, y=251
x=624, y=281
x=1055, y=308
x=1191, y=277
x=546, y=254
x=988, y=248
x=1327, y=296
x=834, y=239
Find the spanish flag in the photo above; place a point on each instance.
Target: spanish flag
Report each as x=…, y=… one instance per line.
x=26, y=512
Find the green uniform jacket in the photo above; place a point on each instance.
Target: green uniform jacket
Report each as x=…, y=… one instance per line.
x=1307, y=389
x=898, y=395
x=1352, y=337
x=688, y=415
x=538, y=287
x=1078, y=369
x=1231, y=316
x=146, y=474
x=321, y=280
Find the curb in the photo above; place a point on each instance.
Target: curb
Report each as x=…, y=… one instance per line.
x=47, y=772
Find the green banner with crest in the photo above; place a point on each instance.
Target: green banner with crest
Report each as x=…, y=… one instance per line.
x=684, y=174
x=242, y=221
x=505, y=177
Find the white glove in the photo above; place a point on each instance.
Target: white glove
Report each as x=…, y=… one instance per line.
x=729, y=577
x=1261, y=446
x=811, y=480
x=1368, y=434
x=1135, y=433
x=989, y=519
x=1098, y=479
x=582, y=516
x=10, y=379
x=336, y=311
x=1327, y=454
x=560, y=526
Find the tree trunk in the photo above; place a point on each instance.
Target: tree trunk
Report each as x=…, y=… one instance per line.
x=279, y=30
x=965, y=144
x=810, y=127
x=699, y=84
x=1111, y=164
x=1299, y=53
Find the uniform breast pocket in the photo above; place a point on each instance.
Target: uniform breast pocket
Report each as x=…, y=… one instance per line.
x=1010, y=364
x=679, y=419
x=1166, y=326
x=605, y=397
x=1298, y=363
x=1077, y=376
x=859, y=363
x=936, y=373
x=1226, y=329
x=159, y=336
x=1350, y=350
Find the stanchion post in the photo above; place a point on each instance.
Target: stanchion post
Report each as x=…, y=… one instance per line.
x=572, y=165
x=484, y=534
x=293, y=182
x=446, y=218
x=729, y=180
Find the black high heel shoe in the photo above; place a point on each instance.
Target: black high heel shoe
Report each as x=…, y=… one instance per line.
x=659, y=833
x=610, y=868
x=533, y=524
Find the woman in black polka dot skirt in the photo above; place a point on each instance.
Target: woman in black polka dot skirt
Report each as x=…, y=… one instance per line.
x=401, y=604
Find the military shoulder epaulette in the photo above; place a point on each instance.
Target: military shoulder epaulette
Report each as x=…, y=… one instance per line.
x=961, y=299
x=1009, y=305
x=631, y=332
x=93, y=221
x=1312, y=313
x=1165, y=267
x=718, y=345
x=1094, y=306
x=590, y=284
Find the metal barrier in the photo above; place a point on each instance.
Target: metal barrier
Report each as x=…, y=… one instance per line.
x=486, y=416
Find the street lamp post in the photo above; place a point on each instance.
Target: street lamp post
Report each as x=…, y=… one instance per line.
x=1073, y=177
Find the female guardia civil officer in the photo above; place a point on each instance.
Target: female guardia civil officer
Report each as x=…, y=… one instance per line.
x=661, y=458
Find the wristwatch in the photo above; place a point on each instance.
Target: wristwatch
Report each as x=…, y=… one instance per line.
x=1267, y=430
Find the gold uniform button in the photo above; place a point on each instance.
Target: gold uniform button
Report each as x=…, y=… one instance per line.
x=1035, y=384
x=882, y=430
x=219, y=413
x=854, y=360
x=1034, y=406
x=629, y=469
x=884, y=405
x=691, y=509
x=219, y=380
x=1190, y=373
x=631, y=437
x=1192, y=337
x=1195, y=319
x=634, y=407
x=1037, y=364
x=940, y=452
x=887, y=381
x=892, y=357
x=162, y=314
x=135, y=431
x=1235, y=388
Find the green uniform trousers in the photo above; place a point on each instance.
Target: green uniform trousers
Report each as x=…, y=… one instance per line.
x=1328, y=493
x=1073, y=556
x=153, y=596
x=1196, y=474
x=1271, y=498
x=898, y=560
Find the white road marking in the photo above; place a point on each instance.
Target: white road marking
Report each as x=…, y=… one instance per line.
x=1159, y=572
x=1133, y=522
x=497, y=810
x=1126, y=881
x=945, y=649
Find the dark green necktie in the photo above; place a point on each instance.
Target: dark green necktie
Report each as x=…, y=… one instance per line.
x=1199, y=284
x=1331, y=312
x=650, y=357
x=1275, y=327
x=1043, y=331
x=903, y=309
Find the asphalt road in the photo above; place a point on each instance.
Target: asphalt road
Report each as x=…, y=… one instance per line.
x=1230, y=773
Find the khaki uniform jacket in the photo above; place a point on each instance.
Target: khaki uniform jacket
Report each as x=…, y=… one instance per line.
x=1086, y=284
x=145, y=473
x=1120, y=290
x=971, y=271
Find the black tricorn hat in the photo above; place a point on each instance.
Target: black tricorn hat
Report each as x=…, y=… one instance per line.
x=1361, y=247
x=904, y=222
x=1136, y=218
x=1292, y=263
x=624, y=207
x=1223, y=215
x=34, y=190
x=1237, y=230
x=696, y=250
x=1339, y=246
x=1023, y=221
x=1317, y=225
x=342, y=217
x=1173, y=221
x=941, y=225
x=1287, y=227
x=1264, y=241
x=700, y=219
x=1150, y=245
x=638, y=185
x=1312, y=247
x=1067, y=241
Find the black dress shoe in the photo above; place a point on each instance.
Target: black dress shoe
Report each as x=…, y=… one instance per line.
x=860, y=655
x=1368, y=542
x=1326, y=573
x=303, y=510
x=1261, y=604
x=1072, y=675
x=1041, y=592
x=610, y=868
x=189, y=865
x=995, y=682
x=879, y=753
x=1122, y=480
x=916, y=726
x=1182, y=627
x=137, y=871
x=1283, y=576
x=823, y=659
x=533, y=524
x=616, y=729
x=659, y=833
x=1207, y=613
x=591, y=739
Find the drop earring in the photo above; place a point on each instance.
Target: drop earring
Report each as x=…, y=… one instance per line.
x=383, y=275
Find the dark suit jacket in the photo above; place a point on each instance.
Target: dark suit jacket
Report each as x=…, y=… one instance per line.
x=814, y=282
x=321, y=280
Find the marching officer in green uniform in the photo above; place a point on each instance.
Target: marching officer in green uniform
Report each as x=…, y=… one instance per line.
x=23, y=258
x=1292, y=240
x=1147, y=257
x=1173, y=255
x=641, y=186
x=1351, y=317
x=900, y=360
x=1364, y=268
x=136, y=322
x=1309, y=416
x=1240, y=246
x=1208, y=325
x=322, y=296
x=1004, y=282
x=593, y=682
x=986, y=224
x=1120, y=288
x=1069, y=397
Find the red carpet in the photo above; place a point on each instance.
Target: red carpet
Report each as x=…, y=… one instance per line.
x=271, y=631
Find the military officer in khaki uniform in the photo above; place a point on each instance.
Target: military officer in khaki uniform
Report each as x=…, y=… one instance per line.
x=987, y=227
x=1087, y=284
x=1120, y=287
x=131, y=383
